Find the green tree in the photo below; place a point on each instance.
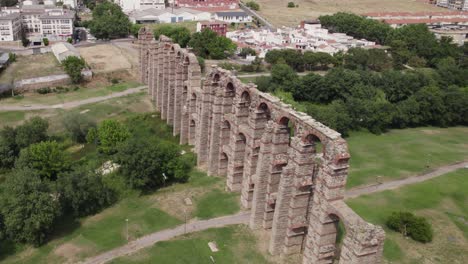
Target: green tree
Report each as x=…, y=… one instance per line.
x=109, y=21
x=32, y=131
x=247, y=51
x=77, y=126
x=30, y=208
x=73, y=67
x=253, y=5
x=291, y=5
x=46, y=158
x=8, y=148
x=178, y=34
x=283, y=76
x=83, y=193
x=45, y=41
x=134, y=28
x=110, y=134
x=418, y=228
x=209, y=45
x=148, y=165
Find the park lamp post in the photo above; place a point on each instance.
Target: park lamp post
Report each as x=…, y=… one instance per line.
x=126, y=220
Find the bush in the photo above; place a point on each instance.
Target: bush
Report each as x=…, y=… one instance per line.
x=416, y=227
x=11, y=57
x=291, y=5
x=70, y=40
x=44, y=90
x=253, y=5
x=201, y=62
x=45, y=41
x=108, y=136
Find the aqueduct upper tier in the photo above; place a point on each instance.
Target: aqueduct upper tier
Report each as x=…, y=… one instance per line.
x=290, y=169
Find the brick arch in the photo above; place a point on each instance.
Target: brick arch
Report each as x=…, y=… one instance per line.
x=267, y=166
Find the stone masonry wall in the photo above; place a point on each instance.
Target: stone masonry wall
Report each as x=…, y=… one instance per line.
x=290, y=169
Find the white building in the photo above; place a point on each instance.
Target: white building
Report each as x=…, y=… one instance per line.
x=40, y=21
x=10, y=26
x=310, y=37
x=135, y=5
x=233, y=17
x=167, y=15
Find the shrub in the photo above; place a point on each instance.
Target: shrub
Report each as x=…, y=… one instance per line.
x=45, y=41
x=416, y=227
x=11, y=57
x=44, y=90
x=77, y=126
x=291, y=5
x=70, y=40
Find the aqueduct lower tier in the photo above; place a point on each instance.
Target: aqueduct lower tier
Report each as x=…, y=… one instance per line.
x=290, y=169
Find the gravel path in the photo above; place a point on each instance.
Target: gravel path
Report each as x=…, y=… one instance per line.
x=149, y=240
x=72, y=104
x=355, y=192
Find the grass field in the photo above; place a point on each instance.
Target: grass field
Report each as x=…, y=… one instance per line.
x=31, y=66
x=443, y=201
x=236, y=244
x=276, y=11
x=404, y=152
x=58, y=98
x=147, y=213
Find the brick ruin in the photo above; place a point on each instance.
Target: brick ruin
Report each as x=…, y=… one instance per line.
x=290, y=169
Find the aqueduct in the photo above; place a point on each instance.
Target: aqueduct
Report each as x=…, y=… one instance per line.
x=290, y=169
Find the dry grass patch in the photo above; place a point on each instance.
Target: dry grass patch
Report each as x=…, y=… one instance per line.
x=105, y=58
x=277, y=13
x=70, y=251
x=31, y=66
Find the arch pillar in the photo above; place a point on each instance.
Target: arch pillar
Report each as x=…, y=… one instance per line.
x=165, y=81
x=177, y=99
x=256, y=125
x=171, y=81
x=294, y=198
x=205, y=117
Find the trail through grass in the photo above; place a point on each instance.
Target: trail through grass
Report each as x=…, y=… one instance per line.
x=444, y=201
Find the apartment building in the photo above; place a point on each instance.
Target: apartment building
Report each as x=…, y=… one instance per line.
x=208, y=4
x=219, y=27
x=10, y=26
x=57, y=25
x=38, y=22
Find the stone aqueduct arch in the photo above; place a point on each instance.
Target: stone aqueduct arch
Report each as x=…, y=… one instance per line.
x=292, y=180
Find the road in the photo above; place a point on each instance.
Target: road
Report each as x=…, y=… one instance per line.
x=149, y=240
x=356, y=192
x=71, y=104
x=243, y=217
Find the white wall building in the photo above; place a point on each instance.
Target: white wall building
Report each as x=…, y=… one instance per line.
x=135, y=5
x=167, y=15
x=311, y=37
x=10, y=26
x=232, y=17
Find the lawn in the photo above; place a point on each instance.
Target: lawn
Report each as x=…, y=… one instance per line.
x=31, y=66
x=443, y=201
x=277, y=13
x=59, y=98
x=236, y=244
x=403, y=152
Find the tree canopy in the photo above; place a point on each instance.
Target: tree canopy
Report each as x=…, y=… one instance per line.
x=109, y=21
x=178, y=34
x=73, y=66
x=209, y=45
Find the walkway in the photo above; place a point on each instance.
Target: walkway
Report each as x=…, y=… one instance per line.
x=72, y=104
x=391, y=185
x=149, y=240
x=243, y=217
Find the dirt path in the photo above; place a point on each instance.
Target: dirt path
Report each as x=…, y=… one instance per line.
x=71, y=104
x=149, y=240
x=355, y=192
